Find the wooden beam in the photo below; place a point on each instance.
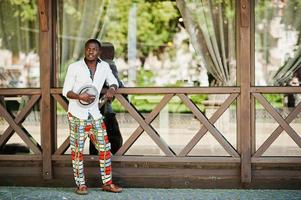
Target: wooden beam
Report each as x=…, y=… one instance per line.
x=47, y=58
x=276, y=90
x=19, y=91
x=160, y=159
x=244, y=60
x=245, y=13
x=43, y=15
x=176, y=159
x=166, y=90
x=277, y=160
x=21, y=157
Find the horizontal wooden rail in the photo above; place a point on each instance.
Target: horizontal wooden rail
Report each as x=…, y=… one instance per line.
x=162, y=159
x=277, y=159
x=167, y=90
x=19, y=91
x=276, y=90
x=28, y=157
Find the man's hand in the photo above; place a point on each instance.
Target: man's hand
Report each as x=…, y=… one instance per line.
x=86, y=97
x=110, y=93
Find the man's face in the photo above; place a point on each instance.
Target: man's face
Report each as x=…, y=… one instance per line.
x=92, y=51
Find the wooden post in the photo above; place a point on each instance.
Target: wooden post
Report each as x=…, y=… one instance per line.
x=244, y=60
x=46, y=104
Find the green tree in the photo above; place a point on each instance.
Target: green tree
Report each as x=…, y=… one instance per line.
x=156, y=25
x=18, y=25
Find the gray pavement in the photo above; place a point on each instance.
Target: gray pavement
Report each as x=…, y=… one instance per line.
x=37, y=193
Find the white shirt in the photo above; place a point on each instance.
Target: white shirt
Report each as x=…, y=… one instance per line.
x=78, y=74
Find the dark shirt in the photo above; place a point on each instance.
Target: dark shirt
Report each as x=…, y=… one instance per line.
x=107, y=108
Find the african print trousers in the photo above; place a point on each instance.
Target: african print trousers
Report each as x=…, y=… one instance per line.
x=80, y=129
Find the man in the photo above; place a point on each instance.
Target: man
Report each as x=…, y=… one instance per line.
x=85, y=121
x=113, y=131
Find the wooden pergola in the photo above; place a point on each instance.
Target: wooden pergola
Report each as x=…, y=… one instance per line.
x=245, y=167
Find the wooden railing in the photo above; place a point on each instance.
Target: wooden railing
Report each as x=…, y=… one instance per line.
x=58, y=154
x=145, y=123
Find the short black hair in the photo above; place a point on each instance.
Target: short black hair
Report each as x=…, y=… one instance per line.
x=95, y=41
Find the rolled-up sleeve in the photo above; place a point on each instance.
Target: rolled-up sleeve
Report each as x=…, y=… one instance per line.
x=69, y=80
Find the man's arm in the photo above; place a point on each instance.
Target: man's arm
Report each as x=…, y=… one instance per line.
x=83, y=97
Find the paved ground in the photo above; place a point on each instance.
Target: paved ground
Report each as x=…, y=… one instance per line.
x=37, y=193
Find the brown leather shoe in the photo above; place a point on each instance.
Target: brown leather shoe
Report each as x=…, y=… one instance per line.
x=111, y=188
x=82, y=190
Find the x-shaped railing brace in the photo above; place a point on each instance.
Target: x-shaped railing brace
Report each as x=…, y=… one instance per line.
x=208, y=125
x=283, y=125
x=15, y=124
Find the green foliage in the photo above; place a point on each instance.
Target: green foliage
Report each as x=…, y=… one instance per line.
x=156, y=24
x=146, y=103
x=27, y=10
x=19, y=22
x=276, y=100
x=292, y=16
x=145, y=78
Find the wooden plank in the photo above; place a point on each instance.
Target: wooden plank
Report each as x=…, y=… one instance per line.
x=19, y=92
x=166, y=90
x=25, y=171
x=47, y=57
x=253, y=105
x=244, y=60
x=19, y=118
x=277, y=160
x=61, y=101
x=43, y=15
x=25, y=157
x=276, y=90
x=238, y=74
x=159, y=159
x=32, y=144
x=290, y=131
x=204, y=130
x=215, y=133
x=277, y=174
x=149, y=130
x=176, y=159
x=135, y=135
x=253, y=125
x=244, y=13
x=267, y=143
x=183, y=173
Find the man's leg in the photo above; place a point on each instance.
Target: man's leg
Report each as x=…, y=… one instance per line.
x=77, y=140
x=101, y=142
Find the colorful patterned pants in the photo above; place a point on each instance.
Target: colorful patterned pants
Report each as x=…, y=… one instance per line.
x=96, y=130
